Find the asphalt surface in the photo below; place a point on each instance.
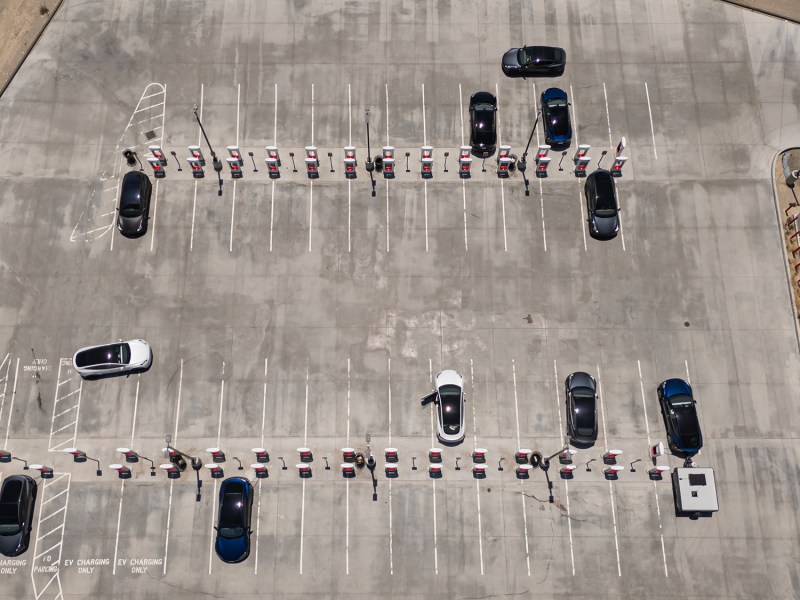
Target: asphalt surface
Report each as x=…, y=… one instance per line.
x=297, y=313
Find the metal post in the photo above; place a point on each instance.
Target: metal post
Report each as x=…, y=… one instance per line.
x=216, y=162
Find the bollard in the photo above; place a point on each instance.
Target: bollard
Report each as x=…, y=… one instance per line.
x=261, y=470
x=521, y=456
x=435, y=455
x=304, y=470
x=391, y=471
x=523, y=471
x=305, y=455
x=217, y=455
x=262, y=455
x=479, y=455
x=173, y=472
x=197, y=154
x=391, y=455
x=123, y=472
x=236, y=168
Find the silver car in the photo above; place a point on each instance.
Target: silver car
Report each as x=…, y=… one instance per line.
x=112, y=359
x=449, y=399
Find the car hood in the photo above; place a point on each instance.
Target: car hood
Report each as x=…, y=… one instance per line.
x=232, y=549
x=606, y=226
x=140, y=352
x=511, y=58
x=10, y=544
x=448, y=377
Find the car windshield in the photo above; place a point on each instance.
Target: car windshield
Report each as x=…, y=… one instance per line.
x=537, y=54
x=117, y=354
x=583, y=401
x=232, y=512
x=9, y=520
x=131, y=210
x=450, y=398
x=606, y=204
x=681, y=400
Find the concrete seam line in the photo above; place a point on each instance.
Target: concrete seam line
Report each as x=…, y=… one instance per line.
x=32, y=46
x=761, y=11
x=786, y=264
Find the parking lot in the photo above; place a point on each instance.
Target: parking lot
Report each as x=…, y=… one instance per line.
x=296, y=313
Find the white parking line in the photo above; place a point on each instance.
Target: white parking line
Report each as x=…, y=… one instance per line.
x=303, y=502
x=475, y=445
x=155, y=213
x=502, y=189
x=433, y=485
x=221, y=402
x=271, y=214
x=522, y=495
x=119, y=521
x=311, y=183
x=566, y=483
x=261, y=445
x=349, y=190
x=172, y=481
x=238, y=104
x=650, y=112
x=211, y=527
x=425, y=182
x=655, y=488
x=13, y=393
x=583, y=217
x=574, y=114
x=463, y=182
x=541, y=189
x=610, y=485
x=391, y=533
x=686, y=365
x=194, y=210
x=275, y=119
x=233, y=213
x=608, y=117
x=347, y=483
x=148, y=107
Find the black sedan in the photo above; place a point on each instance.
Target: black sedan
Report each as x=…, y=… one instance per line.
x=555, y=117
x=17, y=502
x=679, y=410
x=134, y=204
x=532, y=61
x=581, y=393
x=601, y=202
x=233, y=527
x=482, y=124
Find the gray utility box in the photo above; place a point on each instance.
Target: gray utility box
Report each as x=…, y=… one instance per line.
x=695, y=492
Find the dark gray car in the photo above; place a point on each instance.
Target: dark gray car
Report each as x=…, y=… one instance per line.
x=581, y=398
x=601, y=202
x=134, y=204
x=17, y=503
x=533, y=61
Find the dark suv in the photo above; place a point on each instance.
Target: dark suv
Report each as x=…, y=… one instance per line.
x=601, y=202
x=533, y=61
x=482, y=124
x=17, y=502
x=134, y=204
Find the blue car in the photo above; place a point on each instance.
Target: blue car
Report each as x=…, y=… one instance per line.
x=679, y=409
x=555, y=117
x=233, y=526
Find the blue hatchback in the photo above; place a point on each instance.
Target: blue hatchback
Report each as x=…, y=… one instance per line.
x=679, y=409
x=233, y=526
x=555, y=117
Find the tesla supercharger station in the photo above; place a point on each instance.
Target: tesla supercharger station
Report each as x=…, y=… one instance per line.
x=388, y=162
x=581, y=164
x=236, y=154
x=236, y=167
x=198, y=154
x=158, y=170
x=543, y=151
x=350, y=162
x=616, y=170
x=623, y=143
x=427, y=162
x=581, y=152
x=197, y=167
x=159, y=154
x=312, y=162
x=273, y=167
x=272, y=152
x=541, y=166
x=503, y=161
x=464, y=162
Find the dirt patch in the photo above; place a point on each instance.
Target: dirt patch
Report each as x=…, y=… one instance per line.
x=21, y=21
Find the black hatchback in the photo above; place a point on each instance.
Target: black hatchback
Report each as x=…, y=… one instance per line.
x=134, y=204
x=581, y=399
x=534, y=61
x=483, y=124
x=17, y=502
x=601, y=202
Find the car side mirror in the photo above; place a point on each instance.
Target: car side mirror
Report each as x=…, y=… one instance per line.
x=216, y=528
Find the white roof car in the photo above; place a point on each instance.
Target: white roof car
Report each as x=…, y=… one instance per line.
x=114, y=358
x=449, y=399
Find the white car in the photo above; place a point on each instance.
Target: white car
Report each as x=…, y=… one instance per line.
x=449, y=399
x=114, y=358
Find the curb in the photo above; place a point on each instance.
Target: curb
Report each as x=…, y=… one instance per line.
x=762, y=11
x=31, y=47
x=786, y=266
